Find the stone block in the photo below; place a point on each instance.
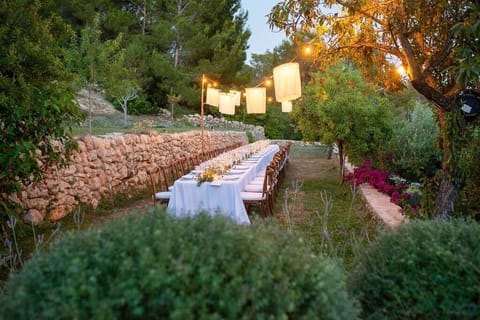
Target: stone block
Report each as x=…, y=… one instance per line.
x=88, y=141
x=33, y=216
x=92, y=155
x=58, y=213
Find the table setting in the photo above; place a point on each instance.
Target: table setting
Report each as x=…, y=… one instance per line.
x=215, y=185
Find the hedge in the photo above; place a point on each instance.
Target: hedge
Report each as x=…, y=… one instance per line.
x=152, y=266
x=422, y=270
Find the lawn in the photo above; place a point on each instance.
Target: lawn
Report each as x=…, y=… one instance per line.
x=315, y=203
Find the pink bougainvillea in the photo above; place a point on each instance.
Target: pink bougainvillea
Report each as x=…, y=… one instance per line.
x=380, y=180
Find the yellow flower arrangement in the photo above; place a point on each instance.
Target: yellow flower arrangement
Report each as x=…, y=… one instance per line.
x=208, y=174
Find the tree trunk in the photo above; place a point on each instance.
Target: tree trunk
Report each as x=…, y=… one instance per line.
x=329, y=152
x=89, y=108
x=341, y=156
x=125, y=112
x=450, y=130
x=445, y=200
x=450, y=184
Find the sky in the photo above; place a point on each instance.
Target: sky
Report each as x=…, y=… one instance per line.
x=262, y=38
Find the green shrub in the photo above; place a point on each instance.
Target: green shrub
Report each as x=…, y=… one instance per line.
x=137, y=106
x=422, y=270
x=153, y=266
x=412, y=150
x=250, y=137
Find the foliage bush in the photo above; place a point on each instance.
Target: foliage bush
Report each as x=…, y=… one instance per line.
x=422, y=270
x=153, y=266
x=37, y=107
x=412, y=151
x=277, y=124
x=137, y=106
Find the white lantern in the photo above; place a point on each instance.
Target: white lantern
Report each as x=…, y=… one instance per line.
x=238, y=95
x=213, y=96
x=227, y=103
x=286, y=78
x=286, y=106
x=256, y=100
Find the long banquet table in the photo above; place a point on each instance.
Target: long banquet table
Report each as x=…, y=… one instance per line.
x=221, y=196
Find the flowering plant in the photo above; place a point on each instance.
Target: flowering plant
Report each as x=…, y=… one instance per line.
x=381, y=180
x=209, y=175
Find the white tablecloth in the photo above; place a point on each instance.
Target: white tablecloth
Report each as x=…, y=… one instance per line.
x=222, y=196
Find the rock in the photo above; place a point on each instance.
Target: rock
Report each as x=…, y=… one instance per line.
x=33, y=216
x=88, y=141
x=58, y=213
x=70, y=170
x=98, y=103
x=37, y=203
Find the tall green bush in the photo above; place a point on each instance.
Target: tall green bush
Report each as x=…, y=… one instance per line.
x=37, y=107
x=153, y=266
x=413, y=151
x=422, y=270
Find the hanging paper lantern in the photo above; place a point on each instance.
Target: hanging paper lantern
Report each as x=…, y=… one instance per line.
x=286, y=78
x=256, y=100
x=227, y=103
x=286, y=106
x=238, y=95
x=213, y=95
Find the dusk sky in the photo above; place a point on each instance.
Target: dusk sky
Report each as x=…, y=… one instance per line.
x=262, y=38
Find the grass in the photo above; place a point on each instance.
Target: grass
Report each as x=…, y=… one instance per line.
x=315, y=203
x=312, y=202
x=114, y=123
x=107, y=124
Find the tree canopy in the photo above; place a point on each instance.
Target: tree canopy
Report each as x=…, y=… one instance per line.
x=338, y=106
x=36, y=101
x=437, y=43
x=170, y=43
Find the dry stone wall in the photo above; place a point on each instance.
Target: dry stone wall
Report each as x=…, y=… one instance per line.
x=111, y=164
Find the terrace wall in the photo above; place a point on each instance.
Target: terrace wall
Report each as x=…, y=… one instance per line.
x=110, y=164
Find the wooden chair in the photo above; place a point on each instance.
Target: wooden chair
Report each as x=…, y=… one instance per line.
x=263, y=199
x=182, y=167
x=192, y=161
x=160, y=192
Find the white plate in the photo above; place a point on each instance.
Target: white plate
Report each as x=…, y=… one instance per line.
x=228, y=173
x=241, y=167
x=216, y=183
x=230, y=178
x=236, y=171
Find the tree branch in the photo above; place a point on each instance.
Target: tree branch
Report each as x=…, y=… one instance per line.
x=384, y=48
x=362, y=12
